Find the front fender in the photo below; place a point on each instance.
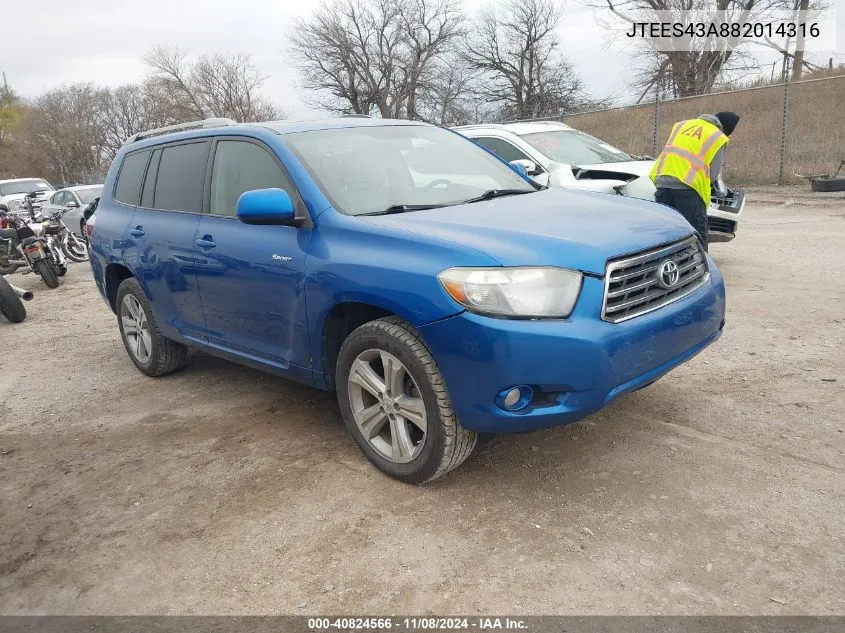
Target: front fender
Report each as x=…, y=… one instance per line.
x=353, y=261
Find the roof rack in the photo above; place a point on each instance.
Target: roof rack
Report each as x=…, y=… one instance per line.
x=190, y=125
x=356, y=116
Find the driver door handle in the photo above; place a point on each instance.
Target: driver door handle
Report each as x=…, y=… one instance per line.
x=137, y=232
x=205, y=242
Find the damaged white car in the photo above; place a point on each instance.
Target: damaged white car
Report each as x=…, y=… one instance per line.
x=557, y=155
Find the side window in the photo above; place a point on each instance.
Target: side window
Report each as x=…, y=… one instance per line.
x=240, y=166
x=128, y=187
x=181, y=177
x=150, y=182
x=56, y=198
x=502, y=149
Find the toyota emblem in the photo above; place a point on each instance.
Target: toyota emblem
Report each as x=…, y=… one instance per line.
x=667, y=275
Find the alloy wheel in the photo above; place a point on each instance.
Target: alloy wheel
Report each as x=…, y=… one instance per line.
x=387, y=405
x=136, y=329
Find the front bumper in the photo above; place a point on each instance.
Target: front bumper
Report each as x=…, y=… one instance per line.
x=723, y=216
x=577, y=365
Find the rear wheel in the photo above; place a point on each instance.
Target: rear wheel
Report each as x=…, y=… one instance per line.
x=47, y=273
x=395, y=403
x=11, y=305
x=149, y=350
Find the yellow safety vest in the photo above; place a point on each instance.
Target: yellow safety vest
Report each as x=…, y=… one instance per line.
x=688, y=154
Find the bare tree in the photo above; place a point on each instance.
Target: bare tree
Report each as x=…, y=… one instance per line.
x=126, y=112
x=215, y=85
x=374, y=56
x=514, y=45
x=674, y=74
x=66, y=130
x=449, y=98
x=683, y=73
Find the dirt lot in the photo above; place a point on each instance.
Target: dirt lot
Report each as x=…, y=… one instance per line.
x=720, y=489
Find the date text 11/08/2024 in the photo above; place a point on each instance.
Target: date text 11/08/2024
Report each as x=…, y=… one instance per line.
x=417, y=624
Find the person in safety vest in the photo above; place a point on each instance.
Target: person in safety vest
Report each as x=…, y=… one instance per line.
x=690, y=161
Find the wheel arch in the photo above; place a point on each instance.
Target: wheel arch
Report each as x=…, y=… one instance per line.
x=341, y=320
x=115, y=275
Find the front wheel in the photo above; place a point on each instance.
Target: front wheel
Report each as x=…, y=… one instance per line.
x=11, y=305
x=395, y=403
x=74, y=248
x=47, y=273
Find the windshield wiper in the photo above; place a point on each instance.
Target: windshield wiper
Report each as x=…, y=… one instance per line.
x=402, y=208
x=496, y=193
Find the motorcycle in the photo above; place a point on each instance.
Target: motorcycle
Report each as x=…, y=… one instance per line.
x=11, y=305
x=72, y=245
x=25, y=245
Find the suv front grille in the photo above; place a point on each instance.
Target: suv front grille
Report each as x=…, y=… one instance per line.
x=641, y=283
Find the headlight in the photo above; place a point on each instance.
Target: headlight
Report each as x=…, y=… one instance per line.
x=514, y=292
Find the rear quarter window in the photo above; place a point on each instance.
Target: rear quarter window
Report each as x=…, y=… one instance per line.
x=128, y=187
x=181, y=177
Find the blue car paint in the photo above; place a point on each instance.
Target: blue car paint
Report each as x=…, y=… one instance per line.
x=265, y=205
x=554, y=227
x=236, y=301
x=583, y=361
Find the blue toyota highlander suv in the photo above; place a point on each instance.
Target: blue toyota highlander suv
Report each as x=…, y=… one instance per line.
x=437, y=290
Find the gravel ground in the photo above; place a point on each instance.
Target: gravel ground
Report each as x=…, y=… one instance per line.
x=718, y=490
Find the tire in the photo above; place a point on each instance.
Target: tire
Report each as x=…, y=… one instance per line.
x=47, y=273
x=75, y=248
x=11, y=305
x=162, y=356
x=827, y=184
x=445, y=443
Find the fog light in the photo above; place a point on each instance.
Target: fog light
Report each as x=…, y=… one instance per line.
x=511, y=398
x=515, y=398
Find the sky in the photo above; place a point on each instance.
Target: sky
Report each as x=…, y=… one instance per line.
x=104, y=41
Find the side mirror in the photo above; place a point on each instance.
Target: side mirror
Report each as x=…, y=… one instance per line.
x=525, y=166
x=73, y=204
x=266, y=206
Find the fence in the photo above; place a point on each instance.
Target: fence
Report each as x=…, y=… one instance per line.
x=787, y=130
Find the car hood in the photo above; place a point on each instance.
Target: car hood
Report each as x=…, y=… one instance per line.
x=42, y=196
x=554, y=227
x=641, y=187
x=634, y=167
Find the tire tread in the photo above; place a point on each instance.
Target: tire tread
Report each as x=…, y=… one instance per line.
x=10, y=303
x=459, y=443
x=168, y=356
x=47, y=273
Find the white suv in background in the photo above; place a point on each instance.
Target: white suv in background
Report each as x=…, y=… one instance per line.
x=557, y=155
x=12, y=192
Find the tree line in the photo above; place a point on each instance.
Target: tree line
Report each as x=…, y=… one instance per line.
x=425, y=59
x=70, y=134
x=415, y=59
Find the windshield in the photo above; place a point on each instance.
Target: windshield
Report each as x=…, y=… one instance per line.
x=370, y=169
x=87, y=195
x=572, y=147
x=24, y=186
